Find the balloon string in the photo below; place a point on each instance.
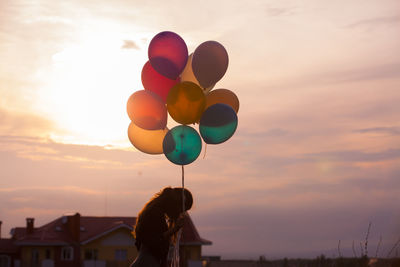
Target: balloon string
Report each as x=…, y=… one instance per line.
x=183, y=173
x=175, y=257
x=183, y=188
x=205, y=151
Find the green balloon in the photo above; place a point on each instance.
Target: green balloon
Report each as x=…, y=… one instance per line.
x=182, y=145
x=218, y=123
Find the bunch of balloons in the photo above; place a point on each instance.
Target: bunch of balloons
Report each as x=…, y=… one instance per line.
x=180, y=85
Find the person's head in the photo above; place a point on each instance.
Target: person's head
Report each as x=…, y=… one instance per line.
x=171, y=200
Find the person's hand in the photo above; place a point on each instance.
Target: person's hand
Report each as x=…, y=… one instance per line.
x=177, y=225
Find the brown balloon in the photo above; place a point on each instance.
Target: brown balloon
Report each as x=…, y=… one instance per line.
x=223, y=96
x=209, y=63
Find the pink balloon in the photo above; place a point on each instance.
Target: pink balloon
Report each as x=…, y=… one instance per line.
x=147, y=110
x=209, y=63
x=155, y=82
x=168, y=54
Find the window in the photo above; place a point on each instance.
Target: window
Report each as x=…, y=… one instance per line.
x=4, y=261
x=67, y=254
x=35, y=257
x=48, y=254
x=91, y=254
x=120, y=254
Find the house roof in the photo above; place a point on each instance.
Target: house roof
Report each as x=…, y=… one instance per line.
x=91, y=228
x=190, y=236
x=18, y=232
x=95, y=227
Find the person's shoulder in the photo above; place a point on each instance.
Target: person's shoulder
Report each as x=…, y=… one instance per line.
x=153, y=213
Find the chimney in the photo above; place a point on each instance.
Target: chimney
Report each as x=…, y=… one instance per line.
x=29, y=225
x=74, y=226
x=0, y=228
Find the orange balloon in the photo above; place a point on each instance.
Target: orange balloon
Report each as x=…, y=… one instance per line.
x=188, y=76
x=186, y=102
x=147, y=110
x=223, y=96
x=147, y=141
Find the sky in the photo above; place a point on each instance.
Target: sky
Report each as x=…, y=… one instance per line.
x=315, y=158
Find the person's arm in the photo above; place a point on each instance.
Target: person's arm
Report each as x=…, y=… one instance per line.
x=177, y=225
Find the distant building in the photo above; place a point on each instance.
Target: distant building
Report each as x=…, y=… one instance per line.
x=86, y=241
x=8, y=251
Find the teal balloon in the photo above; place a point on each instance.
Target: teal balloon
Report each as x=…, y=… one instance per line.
x=218, y=123
x=182, y=145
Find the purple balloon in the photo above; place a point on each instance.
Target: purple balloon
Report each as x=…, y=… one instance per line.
x=168, y=54
x=209, y=63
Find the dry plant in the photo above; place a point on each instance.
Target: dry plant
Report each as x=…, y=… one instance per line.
x=393, y=248
x=354, y=250
x=338, y=248
x=361, y=249
x=378, y=246
x=366, y=240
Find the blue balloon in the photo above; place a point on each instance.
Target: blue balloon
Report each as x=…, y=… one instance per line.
x=218, y=123
x=182, y=145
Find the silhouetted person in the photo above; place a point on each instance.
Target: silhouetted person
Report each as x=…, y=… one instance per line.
x=156, y=226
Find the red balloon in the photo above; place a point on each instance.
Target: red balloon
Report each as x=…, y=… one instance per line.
x=168, y=54
x=155, y=82
x=147, y=110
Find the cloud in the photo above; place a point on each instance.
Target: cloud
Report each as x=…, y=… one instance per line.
x=281, y=10
x=269, y=229
x=357, y=155
x=376, y=72
x=376, y=22
x=356, y=74
x=301, y=209
x=129, y=44
x=68, y=189
x=20, y=124
x=380, y=130
x=278, y=11
x=44, y=179
x=265, y=133
x=84, y=156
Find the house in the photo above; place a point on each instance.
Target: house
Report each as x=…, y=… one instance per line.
x=8, y=251
x=75, y=240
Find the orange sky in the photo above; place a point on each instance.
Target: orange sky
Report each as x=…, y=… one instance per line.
x=316, y=154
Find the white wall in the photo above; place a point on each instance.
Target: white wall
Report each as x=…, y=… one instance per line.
x=47, y=263
x=97, y=263
x=195, y=263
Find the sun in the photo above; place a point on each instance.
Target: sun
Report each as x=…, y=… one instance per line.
x=88, y=86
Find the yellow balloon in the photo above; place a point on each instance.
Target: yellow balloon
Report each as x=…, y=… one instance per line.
x=147, y=141
x=223, y=96
x=186, y=102
x=188, y=76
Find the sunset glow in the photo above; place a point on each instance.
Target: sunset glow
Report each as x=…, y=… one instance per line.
x=316, y=153
x=86, y=88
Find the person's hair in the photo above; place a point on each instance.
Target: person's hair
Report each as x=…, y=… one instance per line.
x=168, y=201
x=173, y=201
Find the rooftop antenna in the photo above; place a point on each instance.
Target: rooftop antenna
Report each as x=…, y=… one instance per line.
x=106, y=201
